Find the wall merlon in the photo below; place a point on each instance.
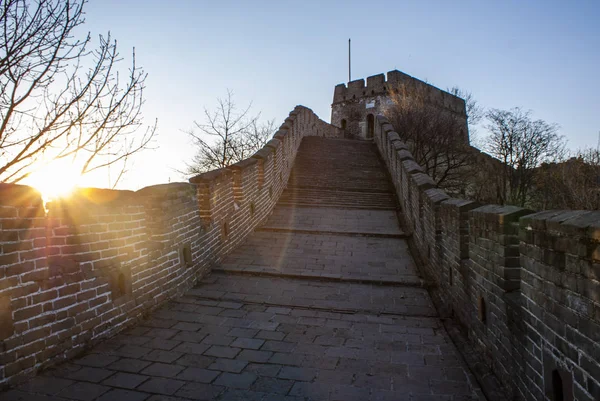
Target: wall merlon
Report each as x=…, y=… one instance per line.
x=108, y=197
x=404, y=155
x=436, y=195
x=399, y=145
x=537, y=220
x=273, y=144
x=356, y=84
x=382, y=119
x=463, y=205
x=393, y=136
x=280, y=134
x=244, y=173
x=411, y=167
x=580, y=224
x=241, y=165
x=387, y=128
x=170, y=189
x=422, y=181
x=339, y=93
x=19, y=195
x=500, y=215
x=264, y=153
x=211, y=176
x=395, y=76
x=376, y=81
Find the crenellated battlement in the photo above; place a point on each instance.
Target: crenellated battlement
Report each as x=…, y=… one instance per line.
x=524, y=285
x=355, y=106
x=377, y=85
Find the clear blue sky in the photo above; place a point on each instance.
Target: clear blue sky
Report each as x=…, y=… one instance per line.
x=540, y=55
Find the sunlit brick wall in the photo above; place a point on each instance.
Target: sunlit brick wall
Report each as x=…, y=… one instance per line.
x=97, y=261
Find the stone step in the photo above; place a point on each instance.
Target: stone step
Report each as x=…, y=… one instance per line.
x=333, y=232
x=354, y=181
x=333, y=256
x=337, y=198
x=320, y=220
x=382, y=280
x=341, y=165
x=332, y=296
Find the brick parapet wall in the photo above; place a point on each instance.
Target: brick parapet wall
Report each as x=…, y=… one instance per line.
x=454, y=269
x=97, y=261
x=560, y=253
x=525, y=285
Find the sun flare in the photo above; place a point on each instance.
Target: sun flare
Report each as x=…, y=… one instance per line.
x=55, y=180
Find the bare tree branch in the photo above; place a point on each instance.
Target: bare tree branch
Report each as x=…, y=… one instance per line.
x=227, y=136
x=522, y=145
x=436, y=136
x=61, y=99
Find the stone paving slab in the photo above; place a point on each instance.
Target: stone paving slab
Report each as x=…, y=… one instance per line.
x=198, y=348
x=333, y=220
x=335, y=256
x=337, y=198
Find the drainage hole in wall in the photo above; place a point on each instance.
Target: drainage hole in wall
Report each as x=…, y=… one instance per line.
x=186, y=255
x=482, y=310
x=121, y=286
x=557, y=386
x=225, y=231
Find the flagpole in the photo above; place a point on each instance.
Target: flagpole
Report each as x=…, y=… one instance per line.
x=349, y=63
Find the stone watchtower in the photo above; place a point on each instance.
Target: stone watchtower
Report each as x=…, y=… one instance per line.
x=355, y=107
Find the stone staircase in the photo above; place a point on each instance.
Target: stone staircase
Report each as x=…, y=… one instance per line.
x=336, y=220
x=339, y=173
x=322, y=303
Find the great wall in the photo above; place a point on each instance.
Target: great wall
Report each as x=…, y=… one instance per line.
x=129, y=286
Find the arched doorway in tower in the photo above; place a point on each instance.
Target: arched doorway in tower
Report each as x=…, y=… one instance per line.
x=370, y=126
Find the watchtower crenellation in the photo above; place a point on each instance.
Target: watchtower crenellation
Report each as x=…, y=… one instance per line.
x=353, y=104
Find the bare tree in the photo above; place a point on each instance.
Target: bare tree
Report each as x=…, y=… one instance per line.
x=435, y=135
x=227, y=136
x=521, y=144
x=59, y=98
x=573, y=183
x=475, y=112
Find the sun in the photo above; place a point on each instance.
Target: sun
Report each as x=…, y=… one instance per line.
x=55, y=180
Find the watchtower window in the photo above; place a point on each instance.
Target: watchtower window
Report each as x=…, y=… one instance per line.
x=343, y=124
x=370, y=126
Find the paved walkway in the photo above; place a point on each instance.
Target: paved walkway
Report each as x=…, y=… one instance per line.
x=321, y=303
